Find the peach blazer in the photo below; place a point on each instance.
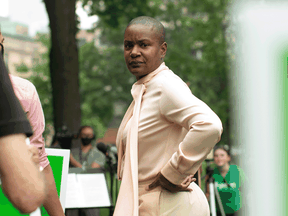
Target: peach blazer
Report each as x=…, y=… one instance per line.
x=29, y=99
x=176, y=131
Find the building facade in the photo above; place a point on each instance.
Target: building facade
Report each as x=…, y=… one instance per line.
x=20, y=48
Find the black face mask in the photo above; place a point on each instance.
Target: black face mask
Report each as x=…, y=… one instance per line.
x=86, y=141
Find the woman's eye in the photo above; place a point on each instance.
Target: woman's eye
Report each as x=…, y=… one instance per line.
x=144, y=45
x=127, y=46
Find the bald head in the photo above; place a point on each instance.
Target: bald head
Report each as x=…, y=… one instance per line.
x=157, y=26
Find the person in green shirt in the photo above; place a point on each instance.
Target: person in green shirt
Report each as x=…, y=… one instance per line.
x=229, y=179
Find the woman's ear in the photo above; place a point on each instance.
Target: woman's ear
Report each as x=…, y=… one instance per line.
x=163, y=49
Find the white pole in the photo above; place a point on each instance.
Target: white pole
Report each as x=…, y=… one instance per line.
x=212, y=199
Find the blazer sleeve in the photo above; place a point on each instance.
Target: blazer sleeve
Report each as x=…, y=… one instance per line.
x=181, y=107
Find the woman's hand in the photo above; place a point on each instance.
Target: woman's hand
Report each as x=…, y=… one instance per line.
x=166, y=184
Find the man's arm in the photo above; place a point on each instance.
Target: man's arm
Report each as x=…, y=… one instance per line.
x=51, y=203
x=21, y=180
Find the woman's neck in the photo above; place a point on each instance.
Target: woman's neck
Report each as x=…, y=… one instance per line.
x=224, y=169
x=85, y=149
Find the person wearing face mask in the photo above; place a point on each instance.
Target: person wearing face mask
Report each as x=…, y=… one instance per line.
x=87, y=156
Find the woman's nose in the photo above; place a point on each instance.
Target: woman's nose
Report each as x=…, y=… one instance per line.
x=135, y=52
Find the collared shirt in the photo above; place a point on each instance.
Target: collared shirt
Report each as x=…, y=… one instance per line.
x=29, y=99
x=176, y=130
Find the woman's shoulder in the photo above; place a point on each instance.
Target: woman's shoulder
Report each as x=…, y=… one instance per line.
x=235, y=168
x=168, y=76
x=75, y=150
x=168, y=80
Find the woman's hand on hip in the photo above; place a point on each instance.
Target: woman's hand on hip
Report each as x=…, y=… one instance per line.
x=166, y=184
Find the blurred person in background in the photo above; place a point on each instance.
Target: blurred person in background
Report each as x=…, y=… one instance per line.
x=87, y=156
x=29, y=99
x=229, y=179
x=21, y=179
x=165, y=134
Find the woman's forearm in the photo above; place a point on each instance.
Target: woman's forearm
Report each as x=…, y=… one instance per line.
x=74, y=162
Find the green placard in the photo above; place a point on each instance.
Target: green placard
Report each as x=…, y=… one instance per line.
x=6, y=207
x=56, y=163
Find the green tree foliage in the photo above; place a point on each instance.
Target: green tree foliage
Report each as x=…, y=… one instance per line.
x=115, y=13
x=197, y=51
x=103, y=81
x=42, y=81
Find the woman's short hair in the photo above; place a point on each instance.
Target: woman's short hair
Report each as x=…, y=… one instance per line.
x=149, y=21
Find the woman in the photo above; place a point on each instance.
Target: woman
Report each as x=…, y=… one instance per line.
x=165, y=134
x=228, y=178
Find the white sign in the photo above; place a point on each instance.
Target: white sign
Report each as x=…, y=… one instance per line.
x=87, y=191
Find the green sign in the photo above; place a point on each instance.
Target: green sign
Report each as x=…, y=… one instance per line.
x=56, y=163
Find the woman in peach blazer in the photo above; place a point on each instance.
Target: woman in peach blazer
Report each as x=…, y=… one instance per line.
x=165, y=134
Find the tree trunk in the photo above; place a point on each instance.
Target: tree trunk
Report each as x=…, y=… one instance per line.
x=64, y=65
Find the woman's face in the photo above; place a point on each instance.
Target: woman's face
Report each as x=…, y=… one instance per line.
x=142, y=50
x=221, y=157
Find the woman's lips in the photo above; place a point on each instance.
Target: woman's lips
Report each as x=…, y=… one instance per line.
x=135, y=63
